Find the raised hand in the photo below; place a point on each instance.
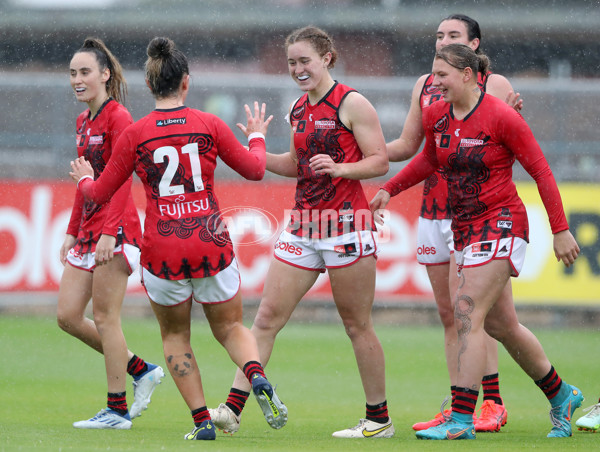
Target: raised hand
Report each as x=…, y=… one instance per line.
x=256, y=122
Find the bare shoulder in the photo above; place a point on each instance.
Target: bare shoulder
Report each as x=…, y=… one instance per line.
x=355, y=107
x=498, y=86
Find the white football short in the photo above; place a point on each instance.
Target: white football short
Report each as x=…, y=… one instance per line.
x=86, y=261
x=480, y=253
x=219, y=288
x=320, y=254
x=435, y=242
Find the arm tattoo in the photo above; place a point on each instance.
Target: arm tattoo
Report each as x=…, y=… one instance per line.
x=464, y=306
x=181, y=367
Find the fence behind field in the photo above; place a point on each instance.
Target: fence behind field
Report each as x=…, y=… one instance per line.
x=39, y=110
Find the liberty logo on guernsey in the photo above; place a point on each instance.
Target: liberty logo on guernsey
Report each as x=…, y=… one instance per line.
x=170, y=122
x=96, y=139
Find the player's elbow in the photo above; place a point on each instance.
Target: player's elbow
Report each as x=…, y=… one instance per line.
x=256, y=175
x=382, y=167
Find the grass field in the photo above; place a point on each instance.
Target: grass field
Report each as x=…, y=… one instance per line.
x=49, y=380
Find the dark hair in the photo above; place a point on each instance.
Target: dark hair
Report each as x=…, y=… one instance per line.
x=462, y=56
x=472, y=26
x=319, y=39
x=165, y=67
x=116, y=86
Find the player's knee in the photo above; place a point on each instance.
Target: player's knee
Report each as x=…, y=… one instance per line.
x=356, y=328
x=66, y=321
x=447, y=317
x=496, y=330
x=268, y=319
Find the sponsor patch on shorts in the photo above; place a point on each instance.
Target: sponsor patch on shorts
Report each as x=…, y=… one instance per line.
x=348, y=249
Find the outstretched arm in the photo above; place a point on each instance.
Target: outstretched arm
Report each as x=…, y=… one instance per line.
x=407, y=145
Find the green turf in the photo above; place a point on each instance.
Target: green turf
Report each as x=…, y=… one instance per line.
x=48, y=380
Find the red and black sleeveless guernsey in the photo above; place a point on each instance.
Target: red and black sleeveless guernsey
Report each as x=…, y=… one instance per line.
x=326, y=206
x=435, y=204
x=96, y=138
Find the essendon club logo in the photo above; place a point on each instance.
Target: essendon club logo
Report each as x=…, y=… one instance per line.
x=299, y=126
x=442, y=140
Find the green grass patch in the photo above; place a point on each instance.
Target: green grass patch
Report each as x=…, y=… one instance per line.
x=49, y=380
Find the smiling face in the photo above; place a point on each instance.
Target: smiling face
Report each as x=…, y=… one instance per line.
x=306, y=66
x=454, y=31
x=87, y=80
x=449, y=80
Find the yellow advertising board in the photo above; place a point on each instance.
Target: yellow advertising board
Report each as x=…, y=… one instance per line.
x=543, y=279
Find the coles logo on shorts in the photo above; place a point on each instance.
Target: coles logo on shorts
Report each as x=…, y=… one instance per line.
x=426, y=250
x=289, y=248
x=76, y=254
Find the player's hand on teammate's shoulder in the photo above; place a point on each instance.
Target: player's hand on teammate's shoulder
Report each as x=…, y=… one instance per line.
x=514, y=100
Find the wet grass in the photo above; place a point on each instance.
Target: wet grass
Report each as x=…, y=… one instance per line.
x=50, y=380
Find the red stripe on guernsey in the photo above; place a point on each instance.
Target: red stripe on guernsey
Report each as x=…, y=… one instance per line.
x=251, y=368
x=465, y=401
x=550, y=384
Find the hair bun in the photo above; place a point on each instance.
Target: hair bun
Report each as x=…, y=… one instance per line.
x=160, y=47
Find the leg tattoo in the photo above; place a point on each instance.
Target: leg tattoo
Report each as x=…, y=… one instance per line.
x=463, y=307
x=182, y=368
